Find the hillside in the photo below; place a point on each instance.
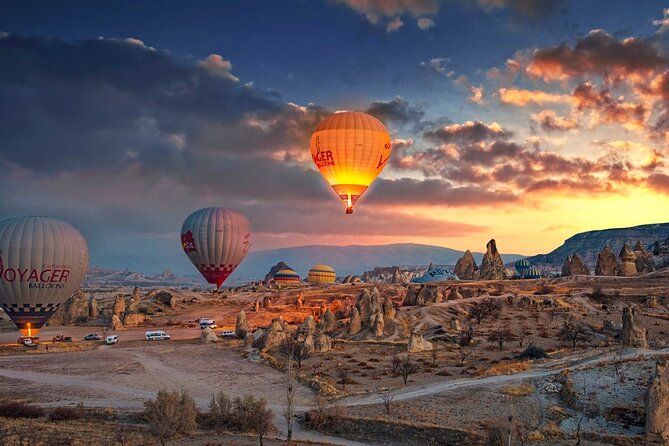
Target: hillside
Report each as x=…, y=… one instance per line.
x=589, y=244
x=351, y=259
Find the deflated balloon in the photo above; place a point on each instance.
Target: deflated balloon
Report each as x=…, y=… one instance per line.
x=42, y=262
x=350, y=149
x=216, y=240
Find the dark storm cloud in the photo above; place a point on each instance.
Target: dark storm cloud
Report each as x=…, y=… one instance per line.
x=469, y=132
x=398, y=111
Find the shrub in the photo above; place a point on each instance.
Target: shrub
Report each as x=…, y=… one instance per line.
x=533, y=352
x=20, y=410
x=170, y=413
x=65, y=414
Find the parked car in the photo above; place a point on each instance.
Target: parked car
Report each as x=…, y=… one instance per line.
x=92, y=337
x=227, y=333
x=111, y=339
x=62, y=338
x=158, y=335
x=206, y=322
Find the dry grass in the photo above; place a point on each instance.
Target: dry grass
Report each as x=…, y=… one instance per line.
x=509, y=368
x=524, y=389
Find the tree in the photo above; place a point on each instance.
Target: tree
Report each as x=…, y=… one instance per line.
x=403, y=366
x=221, y=412
x=253, y=415
x=169, y=414
x=486, y=308
x=522, y=333
x=501, y=336
x=387, y=401
x=574, y=332
x=343, y=376
x=434, y=353
x=294, y=349
x=464, y=353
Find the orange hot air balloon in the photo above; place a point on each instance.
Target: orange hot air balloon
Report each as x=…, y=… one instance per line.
x=350, y=150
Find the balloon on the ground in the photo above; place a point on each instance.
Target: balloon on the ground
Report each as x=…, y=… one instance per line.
x=532, y=273
x=350, y=149
x=216, y=240
x=436, y=275
x=286, y=277
x=351, y=279
x=522, y=266
x=321, y=274
x=42, y=262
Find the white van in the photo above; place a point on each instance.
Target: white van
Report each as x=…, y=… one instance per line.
x=111, y=339
x=206, y=322
x=156, y=336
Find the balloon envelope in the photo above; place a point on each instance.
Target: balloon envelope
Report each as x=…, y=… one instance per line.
x=216, y=240
x=350, y=149
x=286, y=276
x=42, y=262
x=532, y=273
x=321, y=274
x=436, y=275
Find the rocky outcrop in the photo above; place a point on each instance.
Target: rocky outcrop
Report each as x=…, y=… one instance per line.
x=355, y=324
x=607, y=265
x=308, y=327
x=135, y=300
x=93, y=308
x=275, y=269
x=643, y=259
x=633, y=334
x=267, y=302
x=427, y=295
x=466, y=267
x=364, y=306
x=455, y=324
x=256, y=306
x=300, y=301
x=657, y=405
x=119, y=305
x=77, y=308
x=208, y=336
x=133, y=319
x=388, y=308
x=166, y=298
x=328, y=324
x=116, y=323
x=492, y=265
x=275, y=335
x=454, y=294
x=378, y=324
x=397, y=277
x=410, y=296
x=627, y=265
x=248, y=342
x=574, y=266
x=418, y=344
x=386, y=274
x=241, y=325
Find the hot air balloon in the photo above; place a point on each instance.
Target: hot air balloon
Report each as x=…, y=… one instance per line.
x=42, y=262
x=436, y=275
x=351, y=279
x=216, y=240
x=522, y=266
x=286, y=277
x=321, y=274
x=350, y=149
x=532, y=273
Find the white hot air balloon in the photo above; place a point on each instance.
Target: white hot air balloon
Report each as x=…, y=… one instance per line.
x=42, y=262
x=216, y=240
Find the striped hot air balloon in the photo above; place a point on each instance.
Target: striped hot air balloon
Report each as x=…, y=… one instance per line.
x=321, y=274
x=532, y=273
x=522, y=266
x=286, y=277
x=42, y=262
x=350, y=149
x=216, y=240
x=351, y=279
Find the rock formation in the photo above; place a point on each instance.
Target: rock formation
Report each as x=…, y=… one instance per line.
x=77, y=308
x=427, y=295
x=116, y=323
x=454, y=294
x=657, y=405
x=378, y=324
x=355, y=324
x=241, y=325
x=375, y=300
x=418, y=344
x=397, y=277
x=328, y=324
x=492, y=266
x=322, y=342
x=93, y=309
x=275, y=269
x=574, y=266
x=248, y=342
x=634, y=334
x=308, y=327
x=300, y=301
x=388, y=308
x=275, y=335
x=643, y=259
x=256, y=306
x=606, y=262
x=627, y=265
x=166, y=298
x=208, y=336
x=455, y=324
x=364, y=306
x=410, y=296
x=135, y=300
x=119, y=305
x=133, y=319
x=382, y=274
x=466, y=267
x=267, y=302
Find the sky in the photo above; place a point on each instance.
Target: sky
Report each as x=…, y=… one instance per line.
x=526, y=121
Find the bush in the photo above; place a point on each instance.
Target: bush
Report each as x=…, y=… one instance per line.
x=533, y=352
x=65, y=414
x=170, y=413
x=20, y=410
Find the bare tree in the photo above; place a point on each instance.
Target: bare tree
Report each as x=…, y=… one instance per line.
x=403, y=366
x=484, y=309
x=343, y=376
x=387, y=401
x=463, y=354
x=294, y=349
x=123, y=434
x=170, y=413
x=434, y=353
x=522, y=333
x=501, y=336
x=262, y=420
x=574, y=332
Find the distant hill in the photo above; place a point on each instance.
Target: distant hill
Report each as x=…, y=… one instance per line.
x=589, y=244
x=351, y=259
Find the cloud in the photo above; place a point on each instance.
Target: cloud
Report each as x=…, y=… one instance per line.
x=374, y=9
x=394, y=25
x=425, y=23
x=397, y=111
x=217, y=66
x=607, y=109
x=659, y=182
x=550, y=121
x=468, y=132
x=663, y=23
x=524, y=8
x=476, y=95
x=521, y=97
